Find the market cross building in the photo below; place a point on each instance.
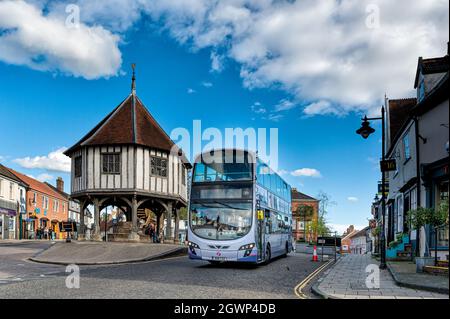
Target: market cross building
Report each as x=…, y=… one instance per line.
x=129, y=162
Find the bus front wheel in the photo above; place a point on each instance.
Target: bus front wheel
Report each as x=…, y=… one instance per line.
x=268, y=255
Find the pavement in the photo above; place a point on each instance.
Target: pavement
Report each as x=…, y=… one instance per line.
x=347, y=280
x=404, y=274
x=100, y=253
x=174, y=277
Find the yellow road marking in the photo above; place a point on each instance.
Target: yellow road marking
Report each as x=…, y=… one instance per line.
x=298, y=289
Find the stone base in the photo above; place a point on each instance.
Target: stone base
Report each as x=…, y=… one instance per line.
x=96, y=237
x=133, y=236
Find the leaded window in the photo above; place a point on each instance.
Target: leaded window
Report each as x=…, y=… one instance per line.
x=111, y=163
x=158, y=166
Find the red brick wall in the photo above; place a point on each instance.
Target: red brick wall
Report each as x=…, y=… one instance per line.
x=298, y=233
x=58, y=216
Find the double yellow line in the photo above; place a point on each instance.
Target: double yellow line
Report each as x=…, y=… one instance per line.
x=298, y=289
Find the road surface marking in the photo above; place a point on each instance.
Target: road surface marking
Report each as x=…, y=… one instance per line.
x=301, y=285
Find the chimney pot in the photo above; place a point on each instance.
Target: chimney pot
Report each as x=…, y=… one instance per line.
x=60, y=184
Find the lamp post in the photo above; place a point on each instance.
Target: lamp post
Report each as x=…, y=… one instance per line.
x=365, y=130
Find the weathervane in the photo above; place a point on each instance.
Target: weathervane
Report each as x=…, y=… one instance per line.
x=133, y=79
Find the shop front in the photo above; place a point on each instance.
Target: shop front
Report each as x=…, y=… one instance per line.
x=8, y=213
x=436, y=177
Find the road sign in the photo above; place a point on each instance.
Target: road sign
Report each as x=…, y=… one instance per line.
x=380, y=187
x=67, y=226
x=329, y=241
x=388, y=165
x=260, y=214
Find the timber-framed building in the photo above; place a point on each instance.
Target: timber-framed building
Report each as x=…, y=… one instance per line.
x=127, y=160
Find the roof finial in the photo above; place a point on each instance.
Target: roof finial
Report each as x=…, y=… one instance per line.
x=133, y=79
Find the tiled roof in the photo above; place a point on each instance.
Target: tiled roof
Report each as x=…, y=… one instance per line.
x=5, y=172
x=129, y=123
x=362, y=232
x=57, y=190
x=430, y=66
x=36, y=185
x=398, y=114
x=295, y=194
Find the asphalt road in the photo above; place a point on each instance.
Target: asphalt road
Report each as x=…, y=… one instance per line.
x=176, y=277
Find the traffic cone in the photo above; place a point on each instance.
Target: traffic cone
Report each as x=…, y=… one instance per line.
x=315, y=258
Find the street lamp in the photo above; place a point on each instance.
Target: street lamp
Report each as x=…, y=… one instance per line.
x=365, y=130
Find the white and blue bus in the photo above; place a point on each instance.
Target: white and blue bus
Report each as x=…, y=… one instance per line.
x=239, y=209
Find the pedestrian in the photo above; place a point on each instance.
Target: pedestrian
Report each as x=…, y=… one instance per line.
x=46, y=233
x=50, y=234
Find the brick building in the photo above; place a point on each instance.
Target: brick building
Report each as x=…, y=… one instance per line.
x=304, y=218
x=45, y=208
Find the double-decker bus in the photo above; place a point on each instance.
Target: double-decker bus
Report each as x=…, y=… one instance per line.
x=239, y=209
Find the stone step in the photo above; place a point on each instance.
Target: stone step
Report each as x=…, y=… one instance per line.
x=115, y=236
x=404, y=254
x=436, y=270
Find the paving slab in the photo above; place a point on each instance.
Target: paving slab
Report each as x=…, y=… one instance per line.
x=404, y=274
x=346, y=279
x=101, y=253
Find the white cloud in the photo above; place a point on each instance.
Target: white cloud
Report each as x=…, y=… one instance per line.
x=321, y=52
x=274, y=117
x=207, y=84
x=191, y=91
x=322, y=108
x=44, y=177
x=284, y=105
x=216, y=62
x=258, y=108
x=309, y=172
x=352, y=199
x=54, y=161
x=316, y=50
x=46, y=43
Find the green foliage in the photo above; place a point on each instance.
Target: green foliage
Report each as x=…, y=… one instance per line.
x=420, y=217
x=376, y=231
x=428, y=216
x=393, y=244
x=183, y=213
x=305, y=211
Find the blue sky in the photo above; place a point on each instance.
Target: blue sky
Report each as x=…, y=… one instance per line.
x=47, y=105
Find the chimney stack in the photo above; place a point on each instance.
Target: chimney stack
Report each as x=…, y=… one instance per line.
x=60, y=184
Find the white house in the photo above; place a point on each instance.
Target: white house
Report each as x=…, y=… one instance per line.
x=12, y=204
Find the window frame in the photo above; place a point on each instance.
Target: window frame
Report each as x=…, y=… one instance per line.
x=78, y=166
x=113, y=156
x=406, y=147
x=155, y=168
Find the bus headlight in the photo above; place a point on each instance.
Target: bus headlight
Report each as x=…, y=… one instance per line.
x=247, y=247
x=193, y=245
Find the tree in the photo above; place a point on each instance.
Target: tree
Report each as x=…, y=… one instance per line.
x=183, y=213
x=325, y=202
x=305, y=212
x=422, y=216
